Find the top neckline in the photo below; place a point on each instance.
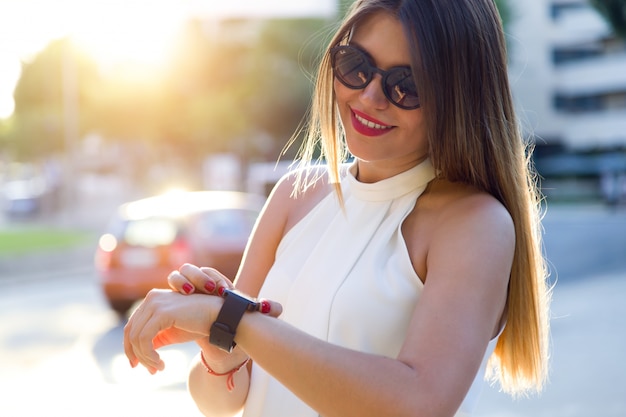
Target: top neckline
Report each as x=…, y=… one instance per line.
x=391, y=188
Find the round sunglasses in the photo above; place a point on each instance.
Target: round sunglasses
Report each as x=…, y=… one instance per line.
x=354, y=69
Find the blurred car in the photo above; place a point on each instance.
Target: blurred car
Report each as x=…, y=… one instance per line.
x=149, y=238
x=24, y=190
x=23, y=197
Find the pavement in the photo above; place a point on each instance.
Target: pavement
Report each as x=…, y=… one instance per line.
x=587, y=369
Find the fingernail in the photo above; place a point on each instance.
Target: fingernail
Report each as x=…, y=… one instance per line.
x=187, y=288
x=265, y=307
x=209, y=286
x=221, y=290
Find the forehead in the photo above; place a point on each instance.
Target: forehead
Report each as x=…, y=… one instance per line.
x=383, y=37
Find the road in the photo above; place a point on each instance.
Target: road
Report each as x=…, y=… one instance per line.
x=60, y=346
x=61, y=349
x=61, y=355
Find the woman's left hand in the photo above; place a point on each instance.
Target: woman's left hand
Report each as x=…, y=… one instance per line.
x=164, y=318
x=190, y=279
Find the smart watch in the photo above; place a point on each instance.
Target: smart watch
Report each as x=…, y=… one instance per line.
x=223, y=330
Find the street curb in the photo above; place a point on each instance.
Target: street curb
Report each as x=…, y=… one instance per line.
x=60, y=275
x=51, y=264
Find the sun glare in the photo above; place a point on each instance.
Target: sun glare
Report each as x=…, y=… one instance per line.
x=135, y=34
x=128, y=32
x=10, y=72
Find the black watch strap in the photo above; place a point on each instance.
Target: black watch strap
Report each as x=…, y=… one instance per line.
x=224, y=328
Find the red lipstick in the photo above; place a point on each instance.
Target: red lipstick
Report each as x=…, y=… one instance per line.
x=368, y=126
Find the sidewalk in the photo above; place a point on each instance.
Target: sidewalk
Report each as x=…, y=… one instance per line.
x=587, y=370
x=47, y=265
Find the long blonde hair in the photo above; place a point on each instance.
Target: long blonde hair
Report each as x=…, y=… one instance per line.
x=458, y=53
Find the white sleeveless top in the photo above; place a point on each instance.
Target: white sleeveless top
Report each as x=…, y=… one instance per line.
x=345, y=277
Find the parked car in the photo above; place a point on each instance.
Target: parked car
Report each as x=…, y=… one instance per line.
x=23, y=197
x=149, y=238
x=25, y=190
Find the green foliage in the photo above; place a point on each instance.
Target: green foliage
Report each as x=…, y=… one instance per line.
x=224, y=88
x=16, y=241
x=37, y=127
x=344, y=5
x=506, y=12
x=614, y=11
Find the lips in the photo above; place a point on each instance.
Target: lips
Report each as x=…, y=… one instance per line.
x=367, y=125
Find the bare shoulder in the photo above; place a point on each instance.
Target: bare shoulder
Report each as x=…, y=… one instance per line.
x=453, y=217
x=295, y=204
x=465, y=207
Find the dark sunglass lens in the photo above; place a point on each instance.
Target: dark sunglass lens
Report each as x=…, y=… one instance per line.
x=351, y=67
x=401, y=89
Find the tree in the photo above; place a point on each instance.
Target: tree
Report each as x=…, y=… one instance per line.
x=504, y=7
x=614, y=11
x=38, y=126
x=228, y=89
x=219, y=93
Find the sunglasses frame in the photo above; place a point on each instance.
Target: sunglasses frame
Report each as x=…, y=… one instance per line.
x=372, y=69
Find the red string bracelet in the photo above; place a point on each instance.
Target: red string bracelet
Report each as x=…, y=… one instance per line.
x=230, y=381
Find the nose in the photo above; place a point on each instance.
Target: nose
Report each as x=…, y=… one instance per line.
x=373, y=94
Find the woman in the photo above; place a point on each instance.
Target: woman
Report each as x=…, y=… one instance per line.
x=397, y=276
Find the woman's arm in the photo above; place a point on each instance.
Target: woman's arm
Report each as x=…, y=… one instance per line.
x=469, y=261
x=280, y=213
x=210, y=392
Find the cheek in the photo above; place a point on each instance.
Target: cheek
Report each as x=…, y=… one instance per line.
x=342, y=96
x=419, y=131
x=342, y=93
x=337, y=90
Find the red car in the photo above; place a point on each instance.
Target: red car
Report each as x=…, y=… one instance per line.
x=149, y=238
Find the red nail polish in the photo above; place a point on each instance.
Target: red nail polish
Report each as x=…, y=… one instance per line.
x=221, y=290
x=209, y=286
x=187, y=288
x=265, y=307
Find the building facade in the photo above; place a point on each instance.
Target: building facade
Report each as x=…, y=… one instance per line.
x=568, y=74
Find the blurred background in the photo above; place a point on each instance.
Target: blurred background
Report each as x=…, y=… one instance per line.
x=107, y=102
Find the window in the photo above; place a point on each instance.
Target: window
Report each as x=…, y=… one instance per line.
x=590, y=103
x=572, y=54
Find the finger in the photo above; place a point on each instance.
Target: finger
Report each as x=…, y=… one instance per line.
x=221, y=282
x=128, y=348
x=201, y=281
x=136, y=319
x=269, y=307
x=144, y=340
x=140, y=343
x=179, y=283
x=141, y=328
